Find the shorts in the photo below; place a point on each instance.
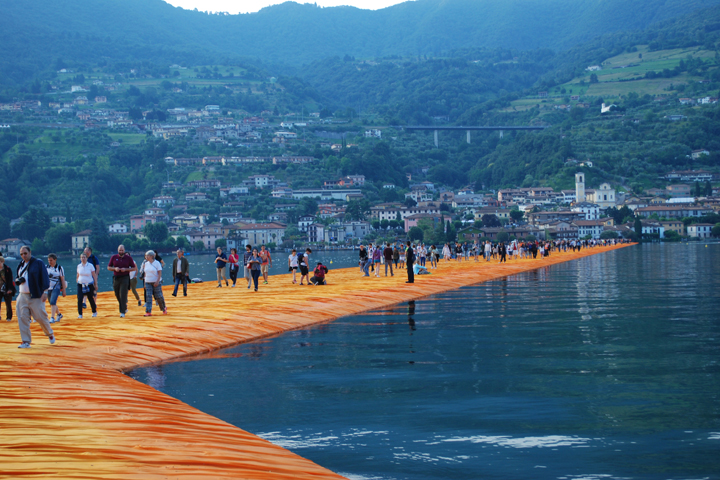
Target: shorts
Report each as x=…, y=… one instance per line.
x=303, y=269
x=54, y=293
x=291, y=269
x=264, y=268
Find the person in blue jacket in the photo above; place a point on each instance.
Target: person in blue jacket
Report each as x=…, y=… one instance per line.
x=32, y=282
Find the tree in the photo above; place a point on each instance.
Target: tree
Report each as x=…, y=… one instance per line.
x=608, y=234
x=375, y=224
x=156, y=232
x=672, y=236
x=715, y=232
x=198, y=245
x=516, y=215
x=220, y=242
x=489, y=220
x=503, y=236
x=357, y=209
x=638, y=227
x=593, y=78
x=59, y=238
x=450, y=232
x=34, y=225
x=409, y=202
x=416, y=234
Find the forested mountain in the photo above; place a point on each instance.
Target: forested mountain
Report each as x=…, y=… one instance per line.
x=36, y=35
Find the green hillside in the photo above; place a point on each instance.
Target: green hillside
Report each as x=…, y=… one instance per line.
x=37, y=35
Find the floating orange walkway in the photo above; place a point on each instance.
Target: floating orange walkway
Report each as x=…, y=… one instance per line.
x=67, y=411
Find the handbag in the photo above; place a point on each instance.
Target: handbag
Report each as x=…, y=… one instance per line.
x=85, y=288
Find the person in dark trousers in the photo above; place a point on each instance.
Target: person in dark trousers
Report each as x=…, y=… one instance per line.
x=7, y=287
x=388, y=254
x=180, y=272
x=319, y=273
x=121, y=265
x=409, y=260
x=502, y=250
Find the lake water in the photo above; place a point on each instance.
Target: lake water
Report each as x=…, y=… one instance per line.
x=601, y=368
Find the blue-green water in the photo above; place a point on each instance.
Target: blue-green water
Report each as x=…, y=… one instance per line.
x=602, y=368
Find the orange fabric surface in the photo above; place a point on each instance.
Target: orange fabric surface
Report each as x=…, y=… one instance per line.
x=67, y=411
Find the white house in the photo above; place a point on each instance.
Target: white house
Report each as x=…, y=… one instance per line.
x=117, y=227
x=591, y=210
x=700, y=230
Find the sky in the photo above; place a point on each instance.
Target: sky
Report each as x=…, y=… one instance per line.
x=245, y=6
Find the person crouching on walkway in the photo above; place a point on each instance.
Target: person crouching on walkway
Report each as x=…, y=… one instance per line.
x=181, y=272
x=255, y=264
x=86, y=285
x=153, y=283
x=319, y=273
x=32, y=283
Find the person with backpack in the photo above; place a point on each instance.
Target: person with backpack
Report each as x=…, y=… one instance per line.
x=56, y=274
x=303, y=262
x=410, y=260
x=319, y=275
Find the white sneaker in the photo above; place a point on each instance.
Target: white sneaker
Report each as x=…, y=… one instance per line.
x=80, y=316
x=94, y=314
x=59, y=317
x=122, y=315
x=52, y=319
x=52, y=339
x=24, y=345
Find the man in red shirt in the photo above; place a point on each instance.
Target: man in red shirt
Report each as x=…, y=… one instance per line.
x=121, y=265
x=266, y=262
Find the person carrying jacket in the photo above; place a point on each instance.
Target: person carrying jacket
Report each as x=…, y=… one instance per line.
x=32, y=283
x=180, y=272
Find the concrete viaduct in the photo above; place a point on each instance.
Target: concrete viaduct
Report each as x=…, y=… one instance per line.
x=501, y=129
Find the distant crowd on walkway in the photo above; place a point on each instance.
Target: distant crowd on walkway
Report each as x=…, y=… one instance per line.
x=35, y=283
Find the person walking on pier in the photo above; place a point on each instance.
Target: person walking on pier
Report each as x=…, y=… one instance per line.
x=246, y=265
x=433, y=256
x=396, y=256
x=376, y=259
x=56, y=274
x=364, y=261
x=180, y=272
x=86, y=286
x=447, y=254
x=304, y=264
x=234, y=262
x=410, y=260
x=388, y=254
x=32, y=284
x=153, y=283
x=7, y=288
x=220, y=262
x=121, y=265
x=255, y=263
x=502, y=251
x=293, y=264
x=266, y=263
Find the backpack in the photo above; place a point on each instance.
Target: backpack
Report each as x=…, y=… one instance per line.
x=300, y=258
x=319, y=272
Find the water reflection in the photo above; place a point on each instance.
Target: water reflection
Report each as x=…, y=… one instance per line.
x=589, y=369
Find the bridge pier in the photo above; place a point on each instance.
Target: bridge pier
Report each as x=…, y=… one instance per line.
x=437, y=144
x=468, y=136
x=501, y=134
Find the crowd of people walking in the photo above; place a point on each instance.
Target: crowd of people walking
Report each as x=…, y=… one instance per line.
x=35, y=283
